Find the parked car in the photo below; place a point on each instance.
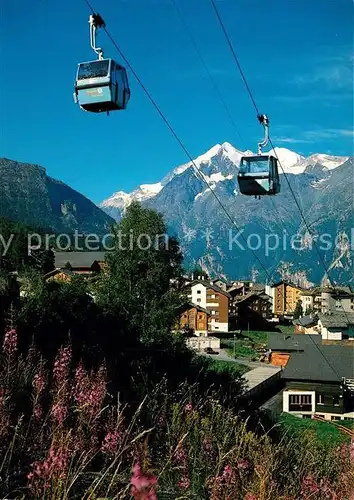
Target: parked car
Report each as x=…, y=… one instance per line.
x=210, y=350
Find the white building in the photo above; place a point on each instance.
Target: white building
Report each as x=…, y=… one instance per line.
x=215, y=300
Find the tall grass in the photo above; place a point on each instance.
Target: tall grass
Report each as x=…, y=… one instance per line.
x=64, y=436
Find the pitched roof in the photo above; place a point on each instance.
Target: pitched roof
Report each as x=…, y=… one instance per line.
x=78, y=259
x=67, y=272
x=207, y=284
x=337, y=320
x=325, y=363
x=292, y=342
x=190, y=305
x=251, y=295
x=287, y=283
x=257, y=287
x=338, y=291
x=306, y=320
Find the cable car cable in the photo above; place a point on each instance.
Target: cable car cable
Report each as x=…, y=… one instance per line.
x=214, y=84
x=270, y=140
x=198, y=173
x=196, y=170
x=235, y=56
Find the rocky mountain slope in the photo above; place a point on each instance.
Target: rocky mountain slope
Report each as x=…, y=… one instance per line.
x=324, y=191
x=27, y=194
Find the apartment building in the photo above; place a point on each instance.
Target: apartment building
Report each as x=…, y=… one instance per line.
x=285, y=296
x=214, y=299
x=328, y=299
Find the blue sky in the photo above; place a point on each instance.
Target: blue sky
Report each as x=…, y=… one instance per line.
x=297, y=56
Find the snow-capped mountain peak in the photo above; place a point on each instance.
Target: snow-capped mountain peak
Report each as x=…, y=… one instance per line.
x=216, y=170
x=330, y=162
x=291, y=162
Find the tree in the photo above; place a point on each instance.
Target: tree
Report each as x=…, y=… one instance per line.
x=298, y=312
x=136, y=286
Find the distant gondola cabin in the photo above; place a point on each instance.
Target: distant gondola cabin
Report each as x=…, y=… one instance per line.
x=258, y=175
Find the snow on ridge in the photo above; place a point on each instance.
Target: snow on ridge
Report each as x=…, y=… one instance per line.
x=234, y=154
x=291, y=162
x=199, y=195
x=118, y=199
x=330, y=162
x=218, y=177
x=151, y=188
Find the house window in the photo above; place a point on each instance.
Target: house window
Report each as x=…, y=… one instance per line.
x=213, y=313
x=348, y=418
x=200, y=316
x=306, y=416
x=199, y=291
x=336, y=400
x=213, y=296
x=320, y=399
x=216, y=327
x=335, y=417
x=199, y=300
x=300, y=402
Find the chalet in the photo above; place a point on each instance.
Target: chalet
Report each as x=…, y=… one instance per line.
x=214, y=299
x=84, y=263
x=319, y=381
x=281, y=346
x=193, y=318
x=307, y=324
x=220, y=283
x=336, y=326
x=59, y=275
x=250, y=310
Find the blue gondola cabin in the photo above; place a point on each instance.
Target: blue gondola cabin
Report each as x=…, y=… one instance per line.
x=258, y=175
x=101, y=86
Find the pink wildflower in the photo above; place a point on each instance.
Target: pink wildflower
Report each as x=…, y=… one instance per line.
x=112, y=442
x=39, y=382
x=188, y=407
x=309, y=486
x=89, y=389
x=54, y=466
x=59, y=412
x=62, y=366
x=185, y=482
x=10, y=342
x=143, y=487
x=243, y=464
x=180, y=456
x=37, y=412
x=228, y=474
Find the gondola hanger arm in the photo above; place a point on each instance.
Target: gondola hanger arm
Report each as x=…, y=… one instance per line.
x=96, y=21
x=264, y=120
